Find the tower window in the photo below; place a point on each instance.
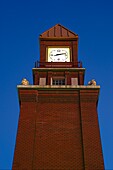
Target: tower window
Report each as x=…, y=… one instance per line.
x=58, y=82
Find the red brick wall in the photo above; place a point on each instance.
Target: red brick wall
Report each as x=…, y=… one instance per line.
x=23, y=155
x=58, y=133
x=49, y=132
x=58, y=130
x=93, y=157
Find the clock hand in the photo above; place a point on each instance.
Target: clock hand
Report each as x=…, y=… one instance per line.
x=59, y=54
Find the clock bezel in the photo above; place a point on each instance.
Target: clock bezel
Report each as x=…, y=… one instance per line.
x=60, y=47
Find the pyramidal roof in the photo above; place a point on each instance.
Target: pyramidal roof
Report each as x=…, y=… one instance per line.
x=58, y=31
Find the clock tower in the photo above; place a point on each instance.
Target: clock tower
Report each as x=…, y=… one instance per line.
x=58, y=125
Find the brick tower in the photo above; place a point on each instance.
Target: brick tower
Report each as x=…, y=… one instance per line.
x=58, y=125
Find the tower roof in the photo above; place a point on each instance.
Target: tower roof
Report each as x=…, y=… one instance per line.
x=58, y=31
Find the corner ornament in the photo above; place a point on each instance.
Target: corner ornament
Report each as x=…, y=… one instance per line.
x=92, y=83
x=25, y=82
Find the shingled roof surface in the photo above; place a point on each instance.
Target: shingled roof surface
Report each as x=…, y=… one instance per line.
x=58, y=31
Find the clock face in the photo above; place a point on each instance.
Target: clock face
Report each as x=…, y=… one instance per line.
x=59, y=54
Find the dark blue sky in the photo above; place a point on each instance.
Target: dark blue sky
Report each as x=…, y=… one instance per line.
x=21, y=22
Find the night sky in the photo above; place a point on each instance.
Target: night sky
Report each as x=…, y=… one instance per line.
x=21, y=23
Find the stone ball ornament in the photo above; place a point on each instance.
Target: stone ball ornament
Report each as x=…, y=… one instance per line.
x=92, y=82
x=25, y=82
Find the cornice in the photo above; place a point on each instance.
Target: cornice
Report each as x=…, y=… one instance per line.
x=61, y=87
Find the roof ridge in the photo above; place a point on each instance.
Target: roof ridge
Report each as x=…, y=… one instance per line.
x=55, y=31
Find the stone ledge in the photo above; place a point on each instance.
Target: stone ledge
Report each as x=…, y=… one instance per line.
x=42, y=69
x=57, y=87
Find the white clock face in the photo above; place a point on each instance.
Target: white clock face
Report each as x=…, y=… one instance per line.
x=58, y=54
